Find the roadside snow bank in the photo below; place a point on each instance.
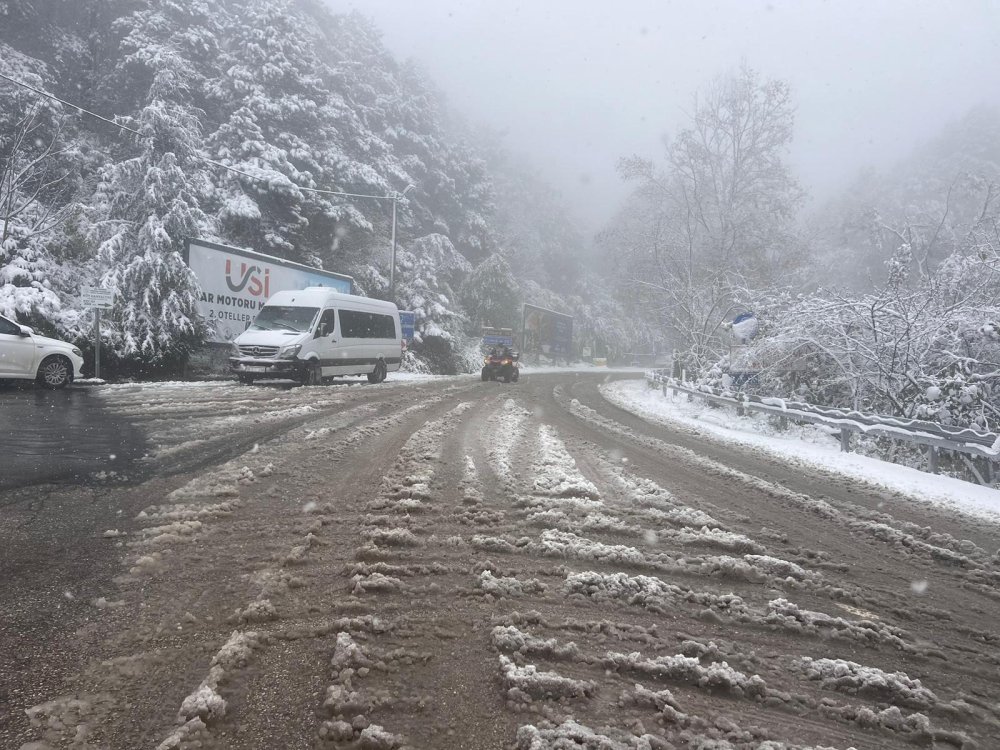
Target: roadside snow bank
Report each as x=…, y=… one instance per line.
x=802, y=445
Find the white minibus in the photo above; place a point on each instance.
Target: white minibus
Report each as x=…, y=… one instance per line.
x=315, y=333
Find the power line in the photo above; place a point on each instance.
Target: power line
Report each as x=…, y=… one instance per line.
x=69, y=104
x=300, y=187
x=205, y=159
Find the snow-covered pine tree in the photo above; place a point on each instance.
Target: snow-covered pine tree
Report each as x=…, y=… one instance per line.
x=429, y=270
x=287, y=123
x=491, y=295
x=146, y=205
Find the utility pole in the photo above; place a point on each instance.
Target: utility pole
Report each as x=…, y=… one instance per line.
x=395, y=197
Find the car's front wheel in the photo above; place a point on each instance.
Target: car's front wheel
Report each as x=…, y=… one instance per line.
x=313, y=374
x=55, y=372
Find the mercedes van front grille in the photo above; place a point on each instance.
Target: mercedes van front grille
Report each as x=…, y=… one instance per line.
x=258, y=351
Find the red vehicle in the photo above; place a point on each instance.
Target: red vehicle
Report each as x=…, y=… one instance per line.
x=501, y=365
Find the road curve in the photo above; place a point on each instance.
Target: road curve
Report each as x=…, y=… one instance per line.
x=457, y=564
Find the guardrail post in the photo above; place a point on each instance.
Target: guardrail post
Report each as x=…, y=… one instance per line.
x=987, y=470
x=845, y=440
x=740, y=409
x=932, y=459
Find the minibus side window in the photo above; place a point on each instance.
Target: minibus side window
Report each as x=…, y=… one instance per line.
x=327, y=323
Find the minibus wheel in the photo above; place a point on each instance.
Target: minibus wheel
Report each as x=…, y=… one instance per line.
x=313, y=374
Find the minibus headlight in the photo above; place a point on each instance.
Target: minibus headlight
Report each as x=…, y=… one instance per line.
x=289, y=352
x=234, y=351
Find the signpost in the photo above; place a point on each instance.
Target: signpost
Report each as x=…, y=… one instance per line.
x=99, y=299
x=498, y=336
x=407, y=320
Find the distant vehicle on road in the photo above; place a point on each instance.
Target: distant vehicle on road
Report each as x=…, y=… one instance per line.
x=24, y=355
x=501, y=365
x=315, y=333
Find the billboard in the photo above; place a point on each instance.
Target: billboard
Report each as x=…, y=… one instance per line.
x=235, y=284
x=546, y=332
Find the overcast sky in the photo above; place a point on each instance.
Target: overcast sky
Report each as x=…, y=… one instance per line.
x=574, y=85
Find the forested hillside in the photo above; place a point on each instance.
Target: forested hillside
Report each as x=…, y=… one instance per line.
x=887, y=300
x=235, y=119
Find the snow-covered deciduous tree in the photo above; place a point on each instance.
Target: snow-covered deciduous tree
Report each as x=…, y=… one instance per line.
x=718, y=214
x=34, y=190
x=932, y=201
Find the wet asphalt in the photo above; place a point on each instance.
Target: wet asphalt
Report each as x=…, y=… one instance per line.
x=60, y=452
x=61, y=436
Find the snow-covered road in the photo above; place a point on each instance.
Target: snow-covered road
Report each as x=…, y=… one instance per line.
x=455, y=564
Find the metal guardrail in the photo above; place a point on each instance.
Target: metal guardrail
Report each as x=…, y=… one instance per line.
x=933, y=436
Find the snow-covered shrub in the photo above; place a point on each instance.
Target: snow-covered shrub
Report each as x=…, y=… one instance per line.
x=26, y=288
x=920, y=348
x=413, y=362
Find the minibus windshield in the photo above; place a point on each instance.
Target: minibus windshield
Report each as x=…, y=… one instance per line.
x=278, y=318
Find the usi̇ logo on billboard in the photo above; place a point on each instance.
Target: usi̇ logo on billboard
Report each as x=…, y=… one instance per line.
x=256, y=280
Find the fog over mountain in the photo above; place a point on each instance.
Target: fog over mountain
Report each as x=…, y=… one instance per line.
x=576, y=85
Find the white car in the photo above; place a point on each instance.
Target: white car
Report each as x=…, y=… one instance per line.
x=24, y=355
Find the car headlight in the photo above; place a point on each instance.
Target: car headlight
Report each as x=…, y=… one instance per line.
x=77, y=352
x=289, y=352
x=234, y=351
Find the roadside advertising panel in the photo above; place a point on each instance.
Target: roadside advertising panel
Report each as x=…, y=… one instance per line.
x=236, y=283
x=546, y=332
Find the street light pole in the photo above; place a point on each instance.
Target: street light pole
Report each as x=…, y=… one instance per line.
x=396, y=197
x=392, y=267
